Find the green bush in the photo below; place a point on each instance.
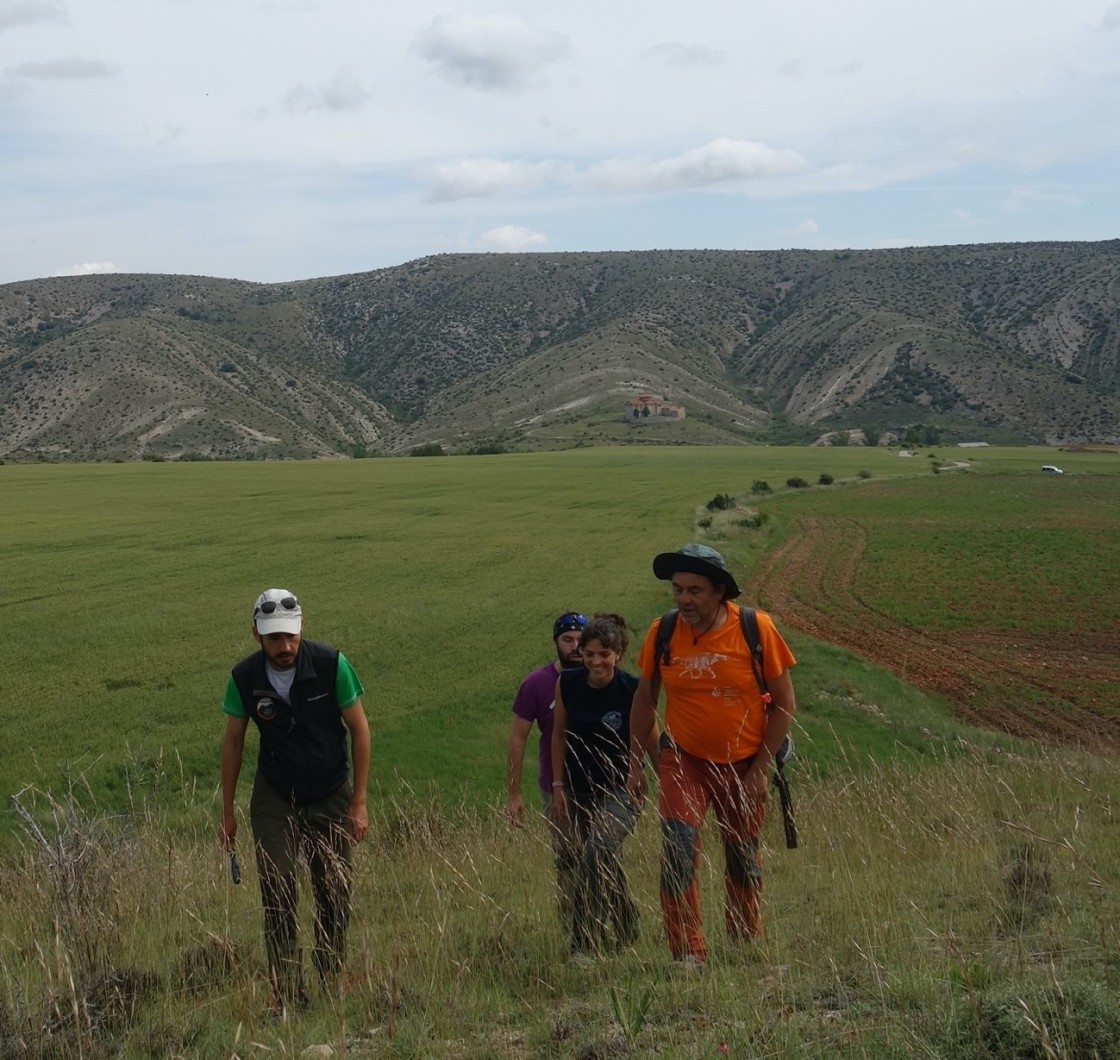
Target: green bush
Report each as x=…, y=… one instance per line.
x=1073, y=1019
x=721, y=502
x=864, y=473
x=825, y=479
x=429, y=449
x=796, y=483
x=760, y=486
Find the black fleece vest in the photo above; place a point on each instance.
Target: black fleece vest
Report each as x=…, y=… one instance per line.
x=302, y=746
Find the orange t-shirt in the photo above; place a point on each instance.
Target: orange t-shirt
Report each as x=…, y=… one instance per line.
x=713, y=708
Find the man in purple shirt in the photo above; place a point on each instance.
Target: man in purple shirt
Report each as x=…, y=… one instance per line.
x=534, y=703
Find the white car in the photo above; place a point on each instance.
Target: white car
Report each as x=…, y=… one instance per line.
x=1050, y=469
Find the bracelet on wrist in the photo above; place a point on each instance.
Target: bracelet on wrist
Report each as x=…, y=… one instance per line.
x=557, y=784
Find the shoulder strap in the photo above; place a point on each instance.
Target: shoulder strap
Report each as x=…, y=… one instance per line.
x=665, y=626
x=748, y=620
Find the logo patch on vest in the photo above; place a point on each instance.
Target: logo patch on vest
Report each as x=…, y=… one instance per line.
x=613, y=720
x=266, y=709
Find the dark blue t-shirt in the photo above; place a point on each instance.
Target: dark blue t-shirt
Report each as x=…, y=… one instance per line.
x=598, y=755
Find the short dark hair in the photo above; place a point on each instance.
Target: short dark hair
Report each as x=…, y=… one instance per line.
x=608, y=629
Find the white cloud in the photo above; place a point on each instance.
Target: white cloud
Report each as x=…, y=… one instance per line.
x=511, y=239
x=1111, y=18
x=29, y=13
x=721, y=161
x=471, y=178
x=344, y=92
x=675, y=54
x=69, y=69
x=11, y=89
x=808, y=227
x=490, y=52
x=88, y=268
x=1026, y=197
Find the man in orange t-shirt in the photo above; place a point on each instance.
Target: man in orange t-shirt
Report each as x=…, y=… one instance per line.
x=717, y=744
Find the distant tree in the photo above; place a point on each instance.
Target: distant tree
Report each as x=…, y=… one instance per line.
x=839, y=438
x=797, y=483
x=872, y=435
x=429, y=449
x=825, y=479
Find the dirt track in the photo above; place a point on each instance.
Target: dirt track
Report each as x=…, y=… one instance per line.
x=810, y=584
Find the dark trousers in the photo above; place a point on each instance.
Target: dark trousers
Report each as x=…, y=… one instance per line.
x=604, y=913
x=283, y=832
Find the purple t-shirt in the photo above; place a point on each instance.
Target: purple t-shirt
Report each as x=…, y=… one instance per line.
x=535, y=701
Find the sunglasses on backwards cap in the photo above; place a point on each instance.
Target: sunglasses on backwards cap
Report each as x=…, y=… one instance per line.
x=288, y=603
x=567, y=622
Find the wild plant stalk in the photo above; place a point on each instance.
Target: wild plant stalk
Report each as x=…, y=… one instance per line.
x=921, y=903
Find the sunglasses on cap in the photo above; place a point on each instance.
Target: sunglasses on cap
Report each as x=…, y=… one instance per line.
x=288, y=603
x=567, y=622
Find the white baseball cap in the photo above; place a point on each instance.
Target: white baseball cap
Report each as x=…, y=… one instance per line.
x=277, y=611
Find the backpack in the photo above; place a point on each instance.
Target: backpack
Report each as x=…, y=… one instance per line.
x=748, y=622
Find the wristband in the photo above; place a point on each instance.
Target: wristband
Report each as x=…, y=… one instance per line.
x=557, y=784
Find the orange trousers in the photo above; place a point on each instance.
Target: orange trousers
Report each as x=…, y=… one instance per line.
x=689, y=786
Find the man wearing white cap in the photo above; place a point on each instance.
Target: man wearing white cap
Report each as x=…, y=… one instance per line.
x=304, y=698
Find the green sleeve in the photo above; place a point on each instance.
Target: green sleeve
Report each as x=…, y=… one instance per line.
x=232, y=704
x=347, y=687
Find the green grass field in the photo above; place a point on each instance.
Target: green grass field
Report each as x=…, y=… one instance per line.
x=955, y=893
x=130, y=586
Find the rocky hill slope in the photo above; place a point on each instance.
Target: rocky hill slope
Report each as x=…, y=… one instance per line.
x=1000, y=342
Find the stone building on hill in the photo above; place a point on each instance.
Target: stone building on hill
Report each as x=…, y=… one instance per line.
x=645, y=408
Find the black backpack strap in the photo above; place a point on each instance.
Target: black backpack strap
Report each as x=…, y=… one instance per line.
x=665, y=626
x=748, y=619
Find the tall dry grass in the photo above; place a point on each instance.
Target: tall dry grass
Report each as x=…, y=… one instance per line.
x=963, y=909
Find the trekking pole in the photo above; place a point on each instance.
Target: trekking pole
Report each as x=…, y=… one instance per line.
x=789, y=825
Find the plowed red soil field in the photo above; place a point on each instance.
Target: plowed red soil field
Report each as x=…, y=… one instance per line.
x=995, y=679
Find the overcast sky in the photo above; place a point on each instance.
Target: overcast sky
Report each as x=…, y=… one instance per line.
x=285, y=139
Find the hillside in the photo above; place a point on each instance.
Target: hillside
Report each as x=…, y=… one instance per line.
x=1014, y=342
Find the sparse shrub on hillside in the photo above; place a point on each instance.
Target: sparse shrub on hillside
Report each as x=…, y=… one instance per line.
x=864, y=473
x=429, y=449
x=760, y=486
x=487, y=449
x=796, y=483
x=755, y=521
x=704, y=523
x=825, y=479
x=839, y=438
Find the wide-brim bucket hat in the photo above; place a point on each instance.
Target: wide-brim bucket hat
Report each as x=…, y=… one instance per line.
x=696, y=559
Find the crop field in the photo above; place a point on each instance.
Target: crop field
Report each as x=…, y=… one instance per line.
x=129, y=587
x=955, y=892
x=1001, y=592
